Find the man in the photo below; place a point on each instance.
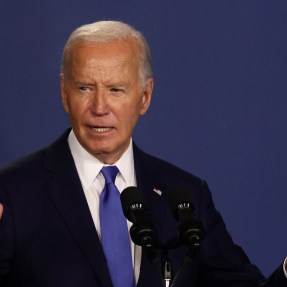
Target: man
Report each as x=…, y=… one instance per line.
x=51, y=231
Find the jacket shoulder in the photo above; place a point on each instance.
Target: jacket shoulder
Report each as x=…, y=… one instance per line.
x=161, y=168
x=31, y=164
x=22, y=165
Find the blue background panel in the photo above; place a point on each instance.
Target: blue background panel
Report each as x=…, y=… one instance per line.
x=219, y=104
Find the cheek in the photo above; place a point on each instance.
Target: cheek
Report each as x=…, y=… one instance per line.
x=75, y=113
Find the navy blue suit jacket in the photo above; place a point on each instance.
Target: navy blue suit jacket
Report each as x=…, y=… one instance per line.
x=48, y=238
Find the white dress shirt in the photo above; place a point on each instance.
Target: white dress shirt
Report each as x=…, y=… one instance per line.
x=93, y=181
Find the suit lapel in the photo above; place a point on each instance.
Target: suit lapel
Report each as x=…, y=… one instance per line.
x=150, y=182
x=66, y=192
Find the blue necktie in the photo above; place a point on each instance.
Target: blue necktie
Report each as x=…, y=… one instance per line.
x=114, y=232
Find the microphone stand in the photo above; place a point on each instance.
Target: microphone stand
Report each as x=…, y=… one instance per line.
x=167, y=275
x=162, y=264
x=144, y=234
x=156, y=262
x=191, y=252
x=174, y=243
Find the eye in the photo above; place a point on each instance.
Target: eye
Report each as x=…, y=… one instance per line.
x=84, y=89
x=115, y=90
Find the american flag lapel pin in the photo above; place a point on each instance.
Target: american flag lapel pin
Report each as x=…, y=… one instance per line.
x=156, y=190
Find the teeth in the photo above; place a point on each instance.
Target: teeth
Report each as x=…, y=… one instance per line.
x=101, y=130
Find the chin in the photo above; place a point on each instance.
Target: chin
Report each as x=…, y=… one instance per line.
x=100, y=151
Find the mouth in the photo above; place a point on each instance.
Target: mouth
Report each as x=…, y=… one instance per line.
x=100, y=129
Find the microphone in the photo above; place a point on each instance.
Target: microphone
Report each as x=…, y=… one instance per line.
x=142, y=231
x=190, y=230
x=135, y=208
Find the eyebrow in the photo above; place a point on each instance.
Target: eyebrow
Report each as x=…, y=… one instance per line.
x=84, y=83
x=109, y=84
x=118, y=84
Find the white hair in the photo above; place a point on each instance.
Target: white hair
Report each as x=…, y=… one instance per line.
x=105, y=32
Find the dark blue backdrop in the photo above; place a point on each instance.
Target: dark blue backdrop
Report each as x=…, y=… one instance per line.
x=219, y=105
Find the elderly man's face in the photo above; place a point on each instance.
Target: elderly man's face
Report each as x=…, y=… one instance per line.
x=103, y=95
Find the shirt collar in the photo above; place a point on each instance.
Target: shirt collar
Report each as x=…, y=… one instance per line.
x=89, y=167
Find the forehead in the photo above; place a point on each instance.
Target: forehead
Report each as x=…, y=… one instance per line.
x=104, y=55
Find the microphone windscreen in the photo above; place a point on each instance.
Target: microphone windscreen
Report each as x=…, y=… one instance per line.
x=129, y=196
x=178, y=196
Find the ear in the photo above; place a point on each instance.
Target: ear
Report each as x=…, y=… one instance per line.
x=1, y=210
x=146, y=97
x=63, y=93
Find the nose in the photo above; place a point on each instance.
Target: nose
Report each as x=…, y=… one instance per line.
x=100, y=103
